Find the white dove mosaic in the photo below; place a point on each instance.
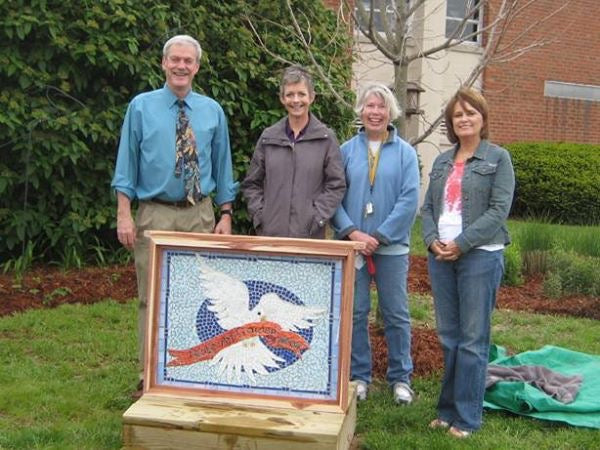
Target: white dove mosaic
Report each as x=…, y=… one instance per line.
x=247, y=323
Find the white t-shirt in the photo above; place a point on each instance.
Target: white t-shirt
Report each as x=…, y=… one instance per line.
x=450, y=222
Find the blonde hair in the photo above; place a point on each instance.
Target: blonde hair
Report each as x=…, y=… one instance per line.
x=384, y=93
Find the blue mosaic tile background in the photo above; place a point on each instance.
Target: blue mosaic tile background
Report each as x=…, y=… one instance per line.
x=186, y=320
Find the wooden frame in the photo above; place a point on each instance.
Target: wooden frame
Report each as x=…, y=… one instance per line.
x=250, y=320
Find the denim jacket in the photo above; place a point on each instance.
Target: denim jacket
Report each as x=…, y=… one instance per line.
x=488, y=185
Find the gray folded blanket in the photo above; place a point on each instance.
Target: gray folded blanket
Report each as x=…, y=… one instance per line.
x=563, y=388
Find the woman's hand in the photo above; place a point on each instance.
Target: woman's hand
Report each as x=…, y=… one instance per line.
x=370, y=242
x=437, y=247
x=445, y=251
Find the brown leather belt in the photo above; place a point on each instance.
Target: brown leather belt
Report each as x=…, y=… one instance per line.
x=177, y=204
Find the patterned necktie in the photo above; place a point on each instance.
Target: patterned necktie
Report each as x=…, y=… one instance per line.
x=186, y=155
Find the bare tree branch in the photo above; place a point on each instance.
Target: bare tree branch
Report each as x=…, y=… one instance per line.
x=393, y=38
x=311, y=56
x=360, y=17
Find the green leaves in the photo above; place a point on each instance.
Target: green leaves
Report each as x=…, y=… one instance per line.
x=557, y=181
x=70, y=68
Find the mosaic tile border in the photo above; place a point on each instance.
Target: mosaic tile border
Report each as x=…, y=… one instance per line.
x=291, y=358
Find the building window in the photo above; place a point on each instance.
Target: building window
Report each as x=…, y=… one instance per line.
x=587, y=92
x=456, y=11
x=377, y=15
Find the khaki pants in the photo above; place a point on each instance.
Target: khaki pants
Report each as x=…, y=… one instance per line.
x=199, y=218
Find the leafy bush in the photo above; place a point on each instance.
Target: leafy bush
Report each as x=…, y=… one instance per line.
x=513, y=275
x=557, y=181
x=69, y=70
x=570, y=273
x=553, y=285
x=535, y=261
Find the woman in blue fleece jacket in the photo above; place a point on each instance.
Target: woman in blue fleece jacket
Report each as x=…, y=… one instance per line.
x=379, y=208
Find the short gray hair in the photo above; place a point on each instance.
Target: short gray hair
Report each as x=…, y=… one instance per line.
x=381, y=91
x=183, y=39
x=296, y=74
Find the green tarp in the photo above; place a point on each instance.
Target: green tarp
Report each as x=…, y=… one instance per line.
x=522, y=398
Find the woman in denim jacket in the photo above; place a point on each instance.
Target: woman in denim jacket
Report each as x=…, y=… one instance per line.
x=464, y=215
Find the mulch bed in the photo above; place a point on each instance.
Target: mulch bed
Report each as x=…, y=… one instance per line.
x=49, y=287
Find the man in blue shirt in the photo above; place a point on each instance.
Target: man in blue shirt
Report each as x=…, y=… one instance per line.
x=150, y=166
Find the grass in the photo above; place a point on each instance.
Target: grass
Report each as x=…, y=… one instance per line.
x=67, y=373
x=417, y=246
x=383, y=425
x=533, y=236
x=539, y=248
x=568, y=256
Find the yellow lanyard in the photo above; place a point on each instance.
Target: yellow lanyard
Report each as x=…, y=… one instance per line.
x=374, y=160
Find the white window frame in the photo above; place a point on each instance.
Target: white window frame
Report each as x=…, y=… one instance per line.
x=476, y=22
x=575, y=91
x=389, y=11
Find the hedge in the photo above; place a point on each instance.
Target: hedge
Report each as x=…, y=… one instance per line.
x=68, y=71
x=557, y=182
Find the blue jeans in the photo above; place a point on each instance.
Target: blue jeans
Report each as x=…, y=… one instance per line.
x=390, y=278
x=464, y=293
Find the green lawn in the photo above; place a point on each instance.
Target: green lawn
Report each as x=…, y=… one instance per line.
x=66, y=375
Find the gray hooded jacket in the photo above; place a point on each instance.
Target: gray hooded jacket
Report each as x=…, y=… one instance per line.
x=293, y=189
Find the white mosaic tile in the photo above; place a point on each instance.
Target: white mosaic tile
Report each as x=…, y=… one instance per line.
x=247, y=323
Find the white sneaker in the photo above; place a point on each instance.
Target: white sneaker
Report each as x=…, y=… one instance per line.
x=361, y=390
x=403, y=394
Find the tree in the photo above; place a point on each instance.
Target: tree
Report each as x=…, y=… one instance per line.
x=390, y=25
x=68, y=71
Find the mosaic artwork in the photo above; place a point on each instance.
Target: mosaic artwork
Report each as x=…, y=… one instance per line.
x=252, y=324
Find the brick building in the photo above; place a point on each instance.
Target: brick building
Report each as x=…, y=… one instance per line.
x=551, y=93
x=548, y=93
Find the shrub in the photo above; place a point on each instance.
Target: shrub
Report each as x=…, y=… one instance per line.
x=553, y=285
x=513, y=275
x=536, y=235
x=571, y=273
x=69, y=70
x=535, y=261
x=557, y=181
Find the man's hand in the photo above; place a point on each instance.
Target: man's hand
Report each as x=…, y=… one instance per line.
x=126, y=231
x=224, y=224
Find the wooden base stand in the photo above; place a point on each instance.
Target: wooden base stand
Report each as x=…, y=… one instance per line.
x=158, y=422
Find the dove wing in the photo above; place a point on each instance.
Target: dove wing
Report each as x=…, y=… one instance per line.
x=247, y=357
x=227, y=296
x=292, y=317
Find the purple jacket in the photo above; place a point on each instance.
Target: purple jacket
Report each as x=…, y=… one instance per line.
x=293, y=189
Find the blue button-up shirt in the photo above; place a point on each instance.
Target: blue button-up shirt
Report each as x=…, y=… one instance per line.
x=145, y=165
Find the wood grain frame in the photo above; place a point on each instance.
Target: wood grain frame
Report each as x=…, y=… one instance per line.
x=162, y=244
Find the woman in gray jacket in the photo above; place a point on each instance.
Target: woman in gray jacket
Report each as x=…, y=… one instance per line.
x=296, y=180
x=464, y=226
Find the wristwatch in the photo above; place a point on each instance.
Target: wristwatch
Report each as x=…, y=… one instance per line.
x=228, y=212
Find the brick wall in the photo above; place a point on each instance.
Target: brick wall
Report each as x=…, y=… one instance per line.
x=515, y=90
x=333, y=4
